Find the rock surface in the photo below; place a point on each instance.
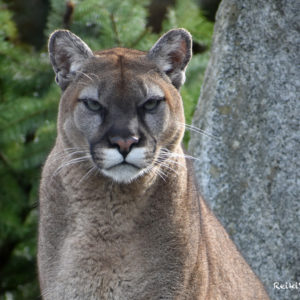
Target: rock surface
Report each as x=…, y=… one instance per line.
x=250, y=100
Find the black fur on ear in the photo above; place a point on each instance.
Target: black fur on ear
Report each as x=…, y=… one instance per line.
x=67, y=53
x=172, y=52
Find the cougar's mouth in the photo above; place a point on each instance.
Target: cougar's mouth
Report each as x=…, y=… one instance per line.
x=119, y=168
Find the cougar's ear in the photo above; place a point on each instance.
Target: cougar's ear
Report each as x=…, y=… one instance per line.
x=67, y=53
x=171, y=53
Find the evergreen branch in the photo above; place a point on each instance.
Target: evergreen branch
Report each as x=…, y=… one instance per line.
x=6, y=252
x=145, y=32
x=115, y=29
x=9, y=245
x=24, y=118
x=6, y=162
x=20, y=60
x=67, y=18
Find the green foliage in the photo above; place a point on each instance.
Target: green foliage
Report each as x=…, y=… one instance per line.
x=105, y=24
x=186, y=14
x=28, y=107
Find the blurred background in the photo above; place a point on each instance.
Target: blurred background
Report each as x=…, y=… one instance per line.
x=29, y=99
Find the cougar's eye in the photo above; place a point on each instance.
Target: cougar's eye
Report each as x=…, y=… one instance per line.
x=92, y=105
x=151, y=104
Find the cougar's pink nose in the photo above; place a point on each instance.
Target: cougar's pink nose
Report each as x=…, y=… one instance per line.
x=123, y=144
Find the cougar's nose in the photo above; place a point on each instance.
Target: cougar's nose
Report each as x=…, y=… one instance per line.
x=124, y=144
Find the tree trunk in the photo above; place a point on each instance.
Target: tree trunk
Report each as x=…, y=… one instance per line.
x=250, y=174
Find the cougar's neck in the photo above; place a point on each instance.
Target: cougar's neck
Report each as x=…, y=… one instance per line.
x=166, y=184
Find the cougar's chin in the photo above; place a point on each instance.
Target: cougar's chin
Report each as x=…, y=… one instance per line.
x=123, y=173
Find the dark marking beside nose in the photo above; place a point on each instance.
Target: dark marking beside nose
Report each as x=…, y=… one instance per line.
x=124, y=144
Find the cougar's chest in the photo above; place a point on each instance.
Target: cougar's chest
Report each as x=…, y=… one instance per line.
x=105, y=244
x=108, y=268
x=119, y=241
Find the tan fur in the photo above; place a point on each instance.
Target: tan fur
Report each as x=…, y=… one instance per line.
x=151, y=238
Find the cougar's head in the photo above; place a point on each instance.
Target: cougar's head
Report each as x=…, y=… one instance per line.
x=121, y=104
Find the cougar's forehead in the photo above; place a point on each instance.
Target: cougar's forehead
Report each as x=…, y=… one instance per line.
x=120, y=61
x=123, y=74
x=116, y=76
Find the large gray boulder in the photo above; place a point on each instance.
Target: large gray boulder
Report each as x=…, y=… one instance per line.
x=250, y=100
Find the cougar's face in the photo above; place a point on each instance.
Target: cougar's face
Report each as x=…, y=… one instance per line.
x=124, y=112
x=122, y=105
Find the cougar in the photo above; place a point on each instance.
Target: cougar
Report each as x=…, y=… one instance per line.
x=120, y=214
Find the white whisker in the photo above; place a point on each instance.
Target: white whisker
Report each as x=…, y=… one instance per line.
x=165, y=165
x=167, y=152
x=77, y=148
x=88, y=173
x=159, y=172
x=84, y=74
x=71, y=162
x=175, y=162
x=95, y=75
x=198, y=130
x=68, y=154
